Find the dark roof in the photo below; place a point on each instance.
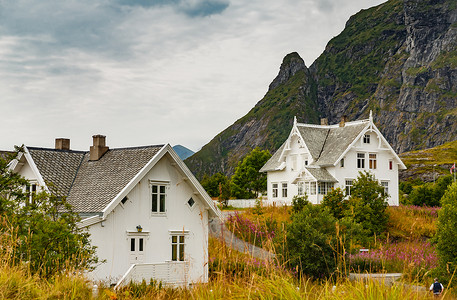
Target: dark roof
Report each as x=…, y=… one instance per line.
x=91, y=185
x=57, y=167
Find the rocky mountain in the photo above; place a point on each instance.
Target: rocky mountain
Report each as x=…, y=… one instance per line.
x=398, y=59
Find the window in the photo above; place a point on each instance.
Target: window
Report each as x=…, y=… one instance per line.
x=385, y=184
x=361, y=160
x=342, y=163
x=31, y=190
x=391, y=165
x=177, y=247
x=158, y=198
x=306, y=162
x=372, y=161
x=366, y=139
x=136, y=244
x=348, y=187
x=312, y=188
x=300, y=188
x=191, y=202
x=284, y=190
x=275, y=190
x=325, y=187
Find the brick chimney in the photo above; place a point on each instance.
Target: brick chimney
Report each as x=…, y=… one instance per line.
x=99, y=148
x=62, y=144
x=324, y=121
x=343, y=121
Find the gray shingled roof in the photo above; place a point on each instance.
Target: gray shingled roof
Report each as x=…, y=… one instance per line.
x=325, y=143
x=57, y=167
x=321, y=174
x=314, y=138
x=91, y=185
x=338, y=140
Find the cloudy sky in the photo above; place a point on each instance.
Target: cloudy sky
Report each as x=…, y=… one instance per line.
x=147, y=72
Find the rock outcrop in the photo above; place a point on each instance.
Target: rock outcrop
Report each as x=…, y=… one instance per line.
x=398, y=59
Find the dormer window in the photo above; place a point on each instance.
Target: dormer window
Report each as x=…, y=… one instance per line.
x=366, y=139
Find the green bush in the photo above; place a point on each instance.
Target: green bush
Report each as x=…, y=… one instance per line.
x=446, y=231
x=335, y=202
x=368, y=203
x=311, y=240
x=299, y=202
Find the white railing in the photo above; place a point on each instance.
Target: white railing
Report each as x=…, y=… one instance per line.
x=169, y=273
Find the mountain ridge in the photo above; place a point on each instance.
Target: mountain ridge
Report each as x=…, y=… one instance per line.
x=397, y=59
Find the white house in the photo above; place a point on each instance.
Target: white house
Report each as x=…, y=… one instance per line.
x=316, y=158
x=146, y=213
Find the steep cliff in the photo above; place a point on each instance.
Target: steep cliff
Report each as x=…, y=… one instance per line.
x=398, y=59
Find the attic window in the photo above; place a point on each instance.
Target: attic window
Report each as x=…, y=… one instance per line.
x=124, y=200
x=366, y=139
x=191, y=202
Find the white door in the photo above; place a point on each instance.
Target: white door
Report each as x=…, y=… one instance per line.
x=136, y=244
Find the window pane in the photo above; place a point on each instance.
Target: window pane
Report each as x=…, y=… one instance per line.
x=181, y=252
x=174, y=239
x=174, y=252
x=140, y=246
x=132, y=244
x=162, y=189
x=154, y=202
x=154, y=189
x=162, y=203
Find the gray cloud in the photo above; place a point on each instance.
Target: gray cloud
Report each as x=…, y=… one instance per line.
x=192, y=8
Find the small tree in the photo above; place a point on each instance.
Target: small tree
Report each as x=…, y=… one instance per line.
x=335, y=202
x=43, y=232
x=311, y=240
x=446, y=232
x=368, y=203
x=248, y=182
x=217, y=185
x=299, y=203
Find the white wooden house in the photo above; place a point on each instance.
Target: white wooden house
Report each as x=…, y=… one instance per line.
x=316, y=158
x=146, y=213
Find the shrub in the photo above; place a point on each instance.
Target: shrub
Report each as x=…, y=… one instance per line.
x=367, y=204
x=335, y=202
x=299, y=202
x=446, y=230
x=311, y=240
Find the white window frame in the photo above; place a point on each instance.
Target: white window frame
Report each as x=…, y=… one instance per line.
x=31, y=189
x=300, y=188
x=159, y=184
x=360, y=160
x=274, y=189
x=284, y=189
x=366, y=138
x=385, y=185
x=325, y=187
x=177, y=244
x=349, y=182
x=312, y=188
x=372, y=161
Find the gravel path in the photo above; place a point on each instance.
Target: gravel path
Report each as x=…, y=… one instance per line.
x=217, y=229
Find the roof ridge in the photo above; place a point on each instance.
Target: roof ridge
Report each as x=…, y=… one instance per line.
x=56, y=150
x=323, y=145
x=356, y=122
x=138, y=147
